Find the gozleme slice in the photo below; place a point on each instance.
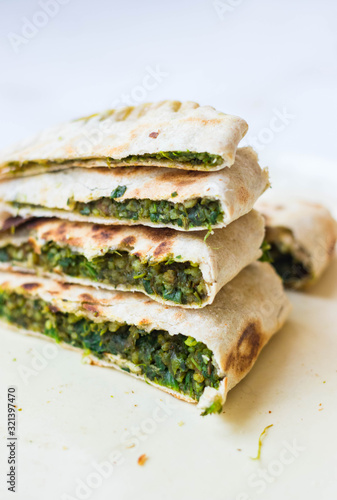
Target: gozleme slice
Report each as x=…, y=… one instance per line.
x=181, y=200
x=166, y=134
x=302, y=237
x=170, y=266
x=195, y=355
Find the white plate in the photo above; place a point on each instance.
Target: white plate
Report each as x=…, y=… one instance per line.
x=69, y=424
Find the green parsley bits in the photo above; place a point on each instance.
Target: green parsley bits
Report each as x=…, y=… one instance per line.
x=164, y=359
x=118, y=192
x=201, y=213
x=173, y=281
x=205, y=160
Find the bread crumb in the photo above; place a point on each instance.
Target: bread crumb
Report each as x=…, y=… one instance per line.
x=142, y=459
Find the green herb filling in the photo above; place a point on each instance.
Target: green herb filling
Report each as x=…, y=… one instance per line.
x=200, y=212
x=170, y=157
x=192, y=213
x=291, y=270
x=178, y=362
x=205, y=159
x=179, y=282
x=265, y=247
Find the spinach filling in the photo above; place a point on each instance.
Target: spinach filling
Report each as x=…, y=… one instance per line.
x=199, y=212
x=178, y=362
x=265, y=248
x=179, y=282
x=206, y=160
x=287, y=266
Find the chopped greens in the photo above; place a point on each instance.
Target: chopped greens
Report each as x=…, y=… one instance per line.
x=215, y=407
x=161, y=358
x=265, y=247
x=193, y=213
x=174, y=281
x=190, y=341
x=258, y=456
x=197, y=212
x=209, y=232
x=118, y=192
x=291, y=270
x=191, y=158
x=205, y=159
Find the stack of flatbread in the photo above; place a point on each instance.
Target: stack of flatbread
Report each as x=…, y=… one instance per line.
x=131, y=235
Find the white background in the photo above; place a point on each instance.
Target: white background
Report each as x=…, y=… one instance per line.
x=250, y=58
x=257, y=59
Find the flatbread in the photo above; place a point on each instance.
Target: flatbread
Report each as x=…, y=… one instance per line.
x=308, y=229
x=221, y=257
x=52, y=194
x=168, y=126
x=241, y=320
x=8, y=221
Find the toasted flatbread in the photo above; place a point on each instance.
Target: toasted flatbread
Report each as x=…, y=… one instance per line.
x=181, y=200
x=165, y=134
x=171, y=267
x=214, y=347
x=302, y=236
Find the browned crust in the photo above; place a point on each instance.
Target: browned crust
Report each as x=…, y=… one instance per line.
x=246, y=350
x=31, y=286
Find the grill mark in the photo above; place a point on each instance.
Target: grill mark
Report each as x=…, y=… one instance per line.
x=245, y=352
x=30, y=286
